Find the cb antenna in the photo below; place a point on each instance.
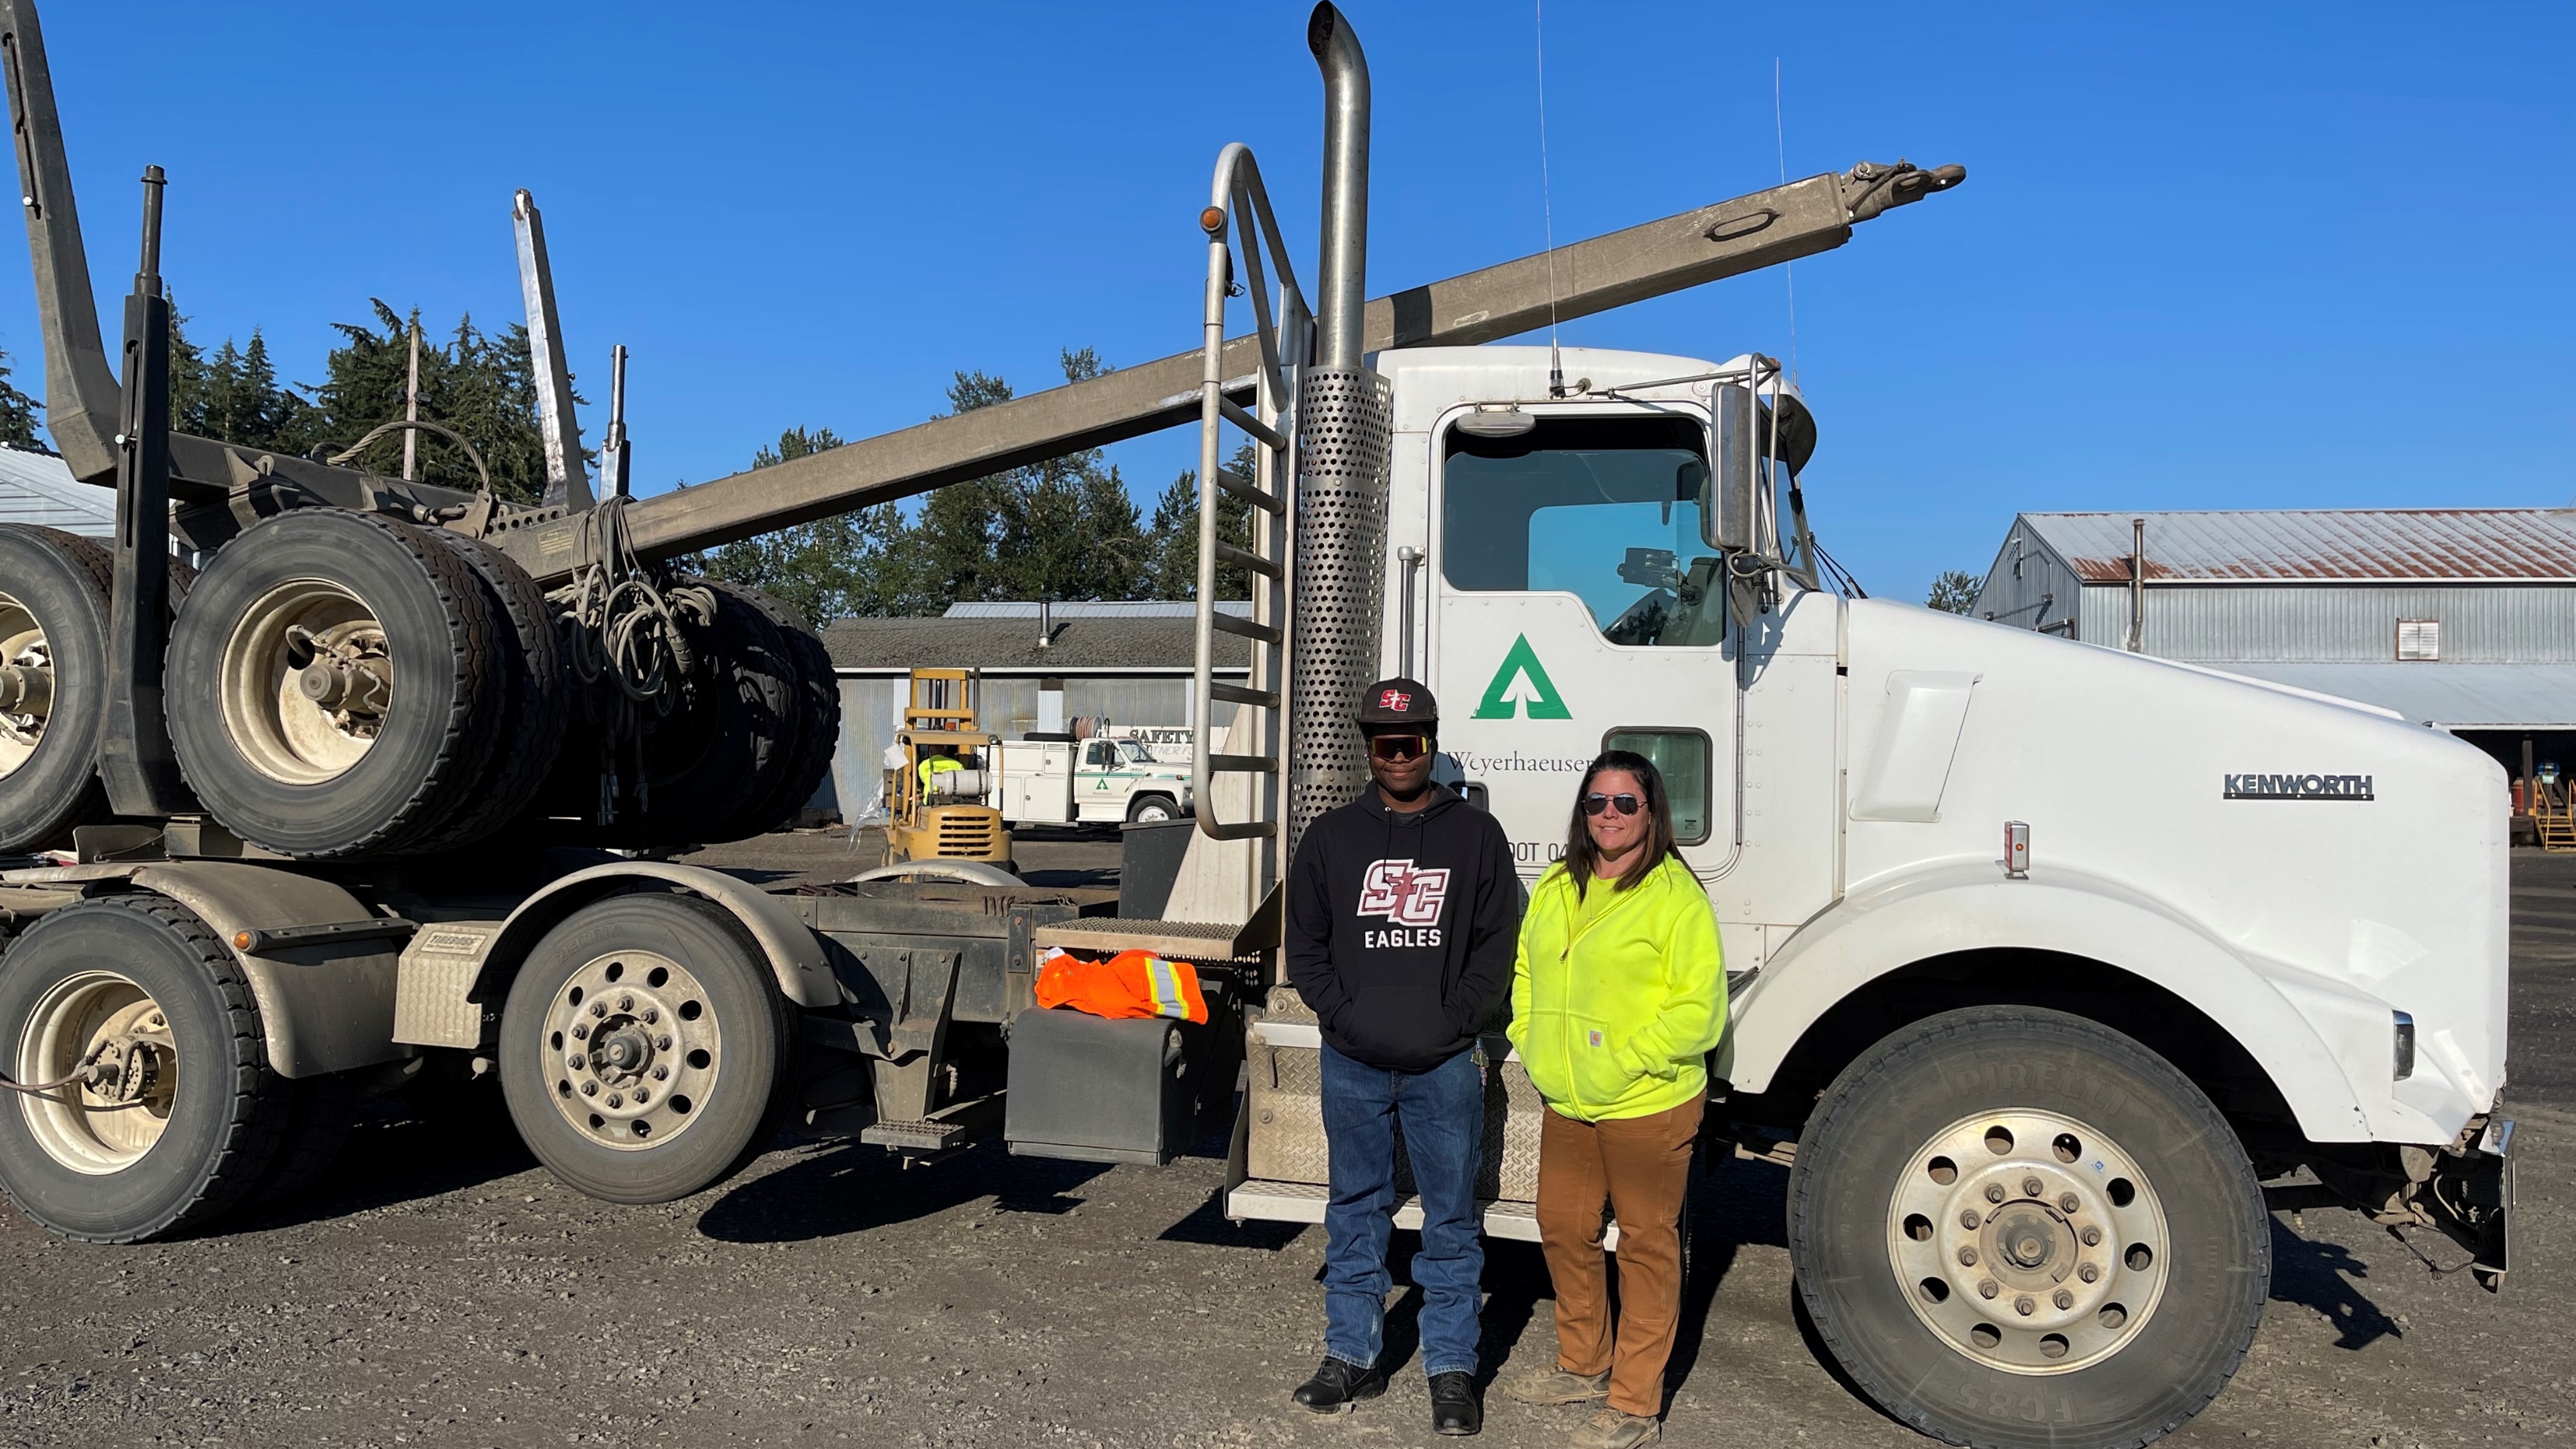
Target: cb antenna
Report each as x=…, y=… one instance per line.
x=1547, y=203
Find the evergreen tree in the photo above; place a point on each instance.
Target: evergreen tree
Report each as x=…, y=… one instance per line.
x=1173, y=537
x=482, y=386
x=1954, y=592
x=235, y=396
x=17, y=414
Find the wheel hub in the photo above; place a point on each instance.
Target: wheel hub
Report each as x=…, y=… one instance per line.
x=2028, y=1241
x=26, y=685
x=113, y=1038
x=635, y=1047
x=308, y=679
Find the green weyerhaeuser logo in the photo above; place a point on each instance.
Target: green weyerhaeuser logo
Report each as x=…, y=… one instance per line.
x=1522, y=684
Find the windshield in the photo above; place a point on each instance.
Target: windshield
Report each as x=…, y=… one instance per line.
x=1134, y=753
x=1606, y=509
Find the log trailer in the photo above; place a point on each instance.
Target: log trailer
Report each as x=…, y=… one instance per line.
x=388, y=790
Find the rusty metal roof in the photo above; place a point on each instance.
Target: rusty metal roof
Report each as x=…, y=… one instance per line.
x=2376, y=545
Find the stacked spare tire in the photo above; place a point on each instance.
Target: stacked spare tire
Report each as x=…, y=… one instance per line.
x=344, y=686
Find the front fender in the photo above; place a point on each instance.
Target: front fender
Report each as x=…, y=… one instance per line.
x=2315, y=1037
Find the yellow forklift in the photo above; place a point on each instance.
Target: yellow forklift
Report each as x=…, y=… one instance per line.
x=944, y=776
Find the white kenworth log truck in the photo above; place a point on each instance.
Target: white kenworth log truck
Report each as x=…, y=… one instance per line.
x=2044, y=959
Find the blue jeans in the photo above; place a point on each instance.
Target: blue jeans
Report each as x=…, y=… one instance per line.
x=1443, y=1115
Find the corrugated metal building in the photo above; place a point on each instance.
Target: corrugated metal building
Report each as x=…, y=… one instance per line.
x=39, y=488
x=1123, y=663
x=2459, y=618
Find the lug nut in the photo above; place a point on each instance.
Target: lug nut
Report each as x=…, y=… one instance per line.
x=1969, y=1220
x=2068, y=1202
x=615, y=1100
x=575, y=1060
x=2063, y=1299
x=661, y=1074
x=2092, y=1237
x=2021, y=1305
x=1989, y=1288
x=626, y=1003
x=662, y=1042
x=580, y=1030
x=1967, y=1257
x=643, y=1095
x=2032, y=1187
x=651, y=1015
x=599, y=1008
x=2088, y=1273
x=590, y=1089
x=1994, y=1192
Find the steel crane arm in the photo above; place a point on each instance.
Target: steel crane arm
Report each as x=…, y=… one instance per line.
x=1724, y=240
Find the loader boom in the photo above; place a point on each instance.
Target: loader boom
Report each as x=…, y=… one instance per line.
x=1746, y=234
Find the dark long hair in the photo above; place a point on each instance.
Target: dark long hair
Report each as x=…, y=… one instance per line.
x=1580, y=853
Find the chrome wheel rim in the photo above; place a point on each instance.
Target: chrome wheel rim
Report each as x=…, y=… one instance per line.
x=634, y=1049
x=103, y=1024
x=307, y=681
x=2028, y=1241
x=26, y=682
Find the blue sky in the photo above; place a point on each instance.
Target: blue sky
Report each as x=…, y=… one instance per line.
x=2218, y=256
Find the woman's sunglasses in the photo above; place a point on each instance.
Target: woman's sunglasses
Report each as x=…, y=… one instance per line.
x=1595, y=804
x=1392, y=748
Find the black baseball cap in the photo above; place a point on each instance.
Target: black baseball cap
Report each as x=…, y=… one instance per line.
x=1398, y=704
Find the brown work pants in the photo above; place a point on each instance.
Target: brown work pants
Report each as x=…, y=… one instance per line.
x=1637, y=1166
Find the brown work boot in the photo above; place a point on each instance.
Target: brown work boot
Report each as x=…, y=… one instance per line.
x=1556, y=1384
x=1614, y=1429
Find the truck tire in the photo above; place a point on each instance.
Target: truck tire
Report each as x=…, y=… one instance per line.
x=712, y=764
x=537, y=696
x=53, y=628
x=645, y=1050
x=54, y=591
x=321, y=1112
x=1152, y=810
x=815, y=713
x=311, y=780
x=191, y=1123
x=2016, y=1227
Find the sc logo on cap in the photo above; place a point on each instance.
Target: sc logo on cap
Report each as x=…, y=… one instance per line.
x=1394, y=699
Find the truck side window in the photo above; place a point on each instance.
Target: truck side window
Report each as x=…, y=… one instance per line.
x=1096, y=754
x=1683, y=758
x=1605, y=508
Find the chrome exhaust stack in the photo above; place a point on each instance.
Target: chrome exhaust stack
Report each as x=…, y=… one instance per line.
x=1345, y=431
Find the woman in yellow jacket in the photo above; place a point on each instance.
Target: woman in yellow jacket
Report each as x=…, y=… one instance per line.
x=1617, y=998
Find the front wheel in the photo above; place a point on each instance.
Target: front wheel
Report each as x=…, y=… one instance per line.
x=1152, y=810
x=2016, y=1227
x=645, y=1049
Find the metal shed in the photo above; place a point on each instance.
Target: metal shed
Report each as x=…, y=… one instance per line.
x=2463, y=619
x=39, y=488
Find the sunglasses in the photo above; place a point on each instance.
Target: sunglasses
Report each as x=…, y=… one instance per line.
x=1595, y=804
x=1399, y=747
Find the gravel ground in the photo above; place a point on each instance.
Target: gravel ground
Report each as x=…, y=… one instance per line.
x=442, y=1290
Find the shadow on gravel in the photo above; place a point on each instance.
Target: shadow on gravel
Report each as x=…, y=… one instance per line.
x=400, y=1152
x=852, y=1188
x=1209, y=1226
x=2323, y=1276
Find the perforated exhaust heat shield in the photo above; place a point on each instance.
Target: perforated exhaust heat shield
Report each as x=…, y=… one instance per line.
x=1345, y=434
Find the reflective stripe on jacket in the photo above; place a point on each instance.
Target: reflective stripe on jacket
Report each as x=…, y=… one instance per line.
x=1616, y=1001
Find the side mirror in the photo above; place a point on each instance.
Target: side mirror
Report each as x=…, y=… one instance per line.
x=1735, y=476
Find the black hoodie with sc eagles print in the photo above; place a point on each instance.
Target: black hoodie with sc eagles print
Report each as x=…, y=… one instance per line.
x=1401, y=927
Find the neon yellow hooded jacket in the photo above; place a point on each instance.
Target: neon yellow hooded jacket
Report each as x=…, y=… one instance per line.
x=1616, y=1000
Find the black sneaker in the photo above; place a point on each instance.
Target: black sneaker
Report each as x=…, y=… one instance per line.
x=1337, y=1387
x=1454, y=1409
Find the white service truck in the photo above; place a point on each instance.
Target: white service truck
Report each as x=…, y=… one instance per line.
x=2051, y=967
x=1089, y=782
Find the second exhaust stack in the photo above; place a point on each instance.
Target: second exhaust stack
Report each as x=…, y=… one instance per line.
x=1344, y=433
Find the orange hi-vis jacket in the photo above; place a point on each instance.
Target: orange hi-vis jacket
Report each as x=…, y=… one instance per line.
x=1132, y=985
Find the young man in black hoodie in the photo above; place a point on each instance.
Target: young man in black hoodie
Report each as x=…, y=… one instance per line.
x=1402, y=918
